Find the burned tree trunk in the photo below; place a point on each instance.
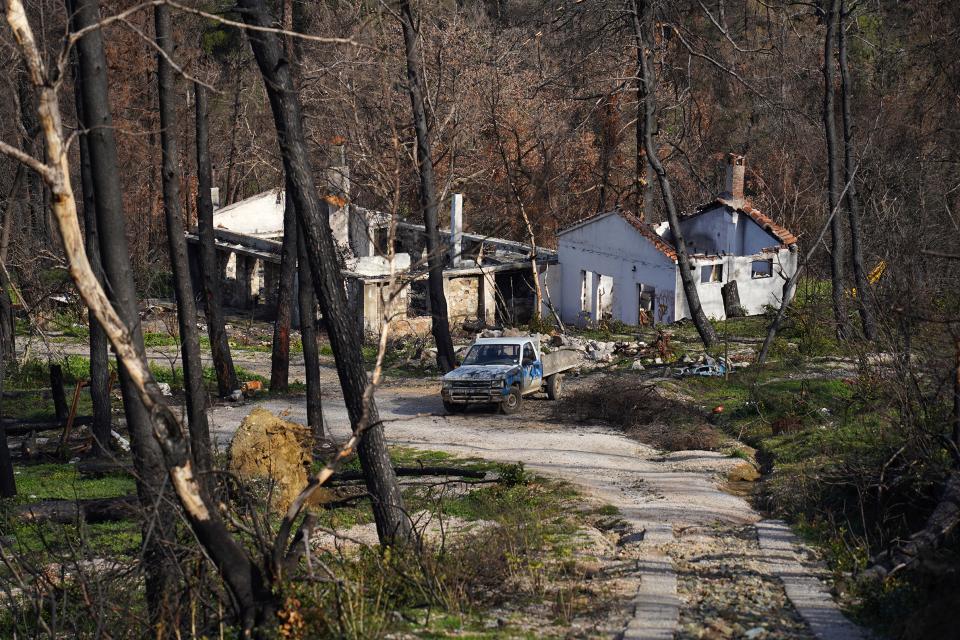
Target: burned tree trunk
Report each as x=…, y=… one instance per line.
x=160, y=564
x=213, y=303
x=254, y=602
x=830, y=135
x=642, y=170
x=307, y=301
x=99, y=357
x=731, y=300
x=196, y=394
x=57, y=392
x=8, y=485
x=852, y=199
x=8, y=347
x=940, y=526
x=280, y=356
x=393, y=525
x=642, y=16
x=446, y=357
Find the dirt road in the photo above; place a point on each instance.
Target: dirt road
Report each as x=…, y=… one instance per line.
x=691, y=530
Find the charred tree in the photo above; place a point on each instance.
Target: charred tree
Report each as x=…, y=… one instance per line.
x=642, y=17
x=280, y=355
x=248, y=583
x=8, y=483
x=158, y=535
x=8, y=347
x=833, y=189
x=609, y=138
x=446, y=357
x=289, y=252
x=99, y=357
x=852, y=199
x=213, y=301
x=313, y=213
x=307, y=302
x=196, y=395
x=643, y=193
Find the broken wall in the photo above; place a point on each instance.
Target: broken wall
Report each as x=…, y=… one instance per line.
x=757, y=286
x=611, y=247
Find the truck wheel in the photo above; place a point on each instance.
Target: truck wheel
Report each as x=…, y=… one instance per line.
x=555, y=386
x=453, y=407
x=512, y=402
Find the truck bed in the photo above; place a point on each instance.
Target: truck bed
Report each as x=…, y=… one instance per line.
x=559, y=361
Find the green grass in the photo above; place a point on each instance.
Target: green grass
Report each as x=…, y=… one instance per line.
x=62, y=482
x=515, y=560
x=526, y=545
x=39, y=541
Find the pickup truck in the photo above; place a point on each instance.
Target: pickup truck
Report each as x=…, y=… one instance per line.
x=502, y=371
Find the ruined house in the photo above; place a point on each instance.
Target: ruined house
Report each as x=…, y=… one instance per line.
x=617, y=267
x=487, y=281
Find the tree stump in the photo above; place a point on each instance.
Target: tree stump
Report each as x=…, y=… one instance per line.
x=731, y=300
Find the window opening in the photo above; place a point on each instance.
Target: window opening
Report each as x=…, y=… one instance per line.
x=761, y=268
x=711, y=273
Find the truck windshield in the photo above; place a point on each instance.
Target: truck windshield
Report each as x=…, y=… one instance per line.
x=493, y=354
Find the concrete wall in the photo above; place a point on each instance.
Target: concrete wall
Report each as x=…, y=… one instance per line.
x=755, y=292
x=470, y=297
x=611, y=247
x=375, y=297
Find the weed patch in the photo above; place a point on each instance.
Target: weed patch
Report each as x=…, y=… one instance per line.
x=644, y=412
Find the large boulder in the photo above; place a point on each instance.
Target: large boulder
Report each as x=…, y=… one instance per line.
x=266, y=447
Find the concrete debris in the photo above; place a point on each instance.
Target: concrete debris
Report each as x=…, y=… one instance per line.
x=122, y=443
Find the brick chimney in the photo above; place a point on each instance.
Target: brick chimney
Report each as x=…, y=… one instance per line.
x=734, y=182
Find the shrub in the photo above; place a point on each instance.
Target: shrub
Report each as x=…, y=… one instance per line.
x=644, y=413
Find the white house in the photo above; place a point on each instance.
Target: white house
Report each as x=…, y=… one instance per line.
x=615, y=266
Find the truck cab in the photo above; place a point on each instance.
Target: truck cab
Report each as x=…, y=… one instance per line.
x=501, y=371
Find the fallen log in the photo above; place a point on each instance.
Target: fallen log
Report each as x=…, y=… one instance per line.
x=92, y=510
x=96, y=467
x=45, y=394
x=19, y=427
x=941, y=524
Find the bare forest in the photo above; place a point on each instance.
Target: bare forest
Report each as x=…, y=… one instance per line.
x=250, y=249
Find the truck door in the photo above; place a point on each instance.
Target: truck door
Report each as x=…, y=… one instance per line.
x=532, y=368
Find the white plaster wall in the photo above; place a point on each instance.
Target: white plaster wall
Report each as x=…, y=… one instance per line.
x=755, y=293
x=612, y=247
x=551, y=283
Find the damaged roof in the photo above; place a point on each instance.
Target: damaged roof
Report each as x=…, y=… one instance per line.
x=781, y=233
x=646, y=230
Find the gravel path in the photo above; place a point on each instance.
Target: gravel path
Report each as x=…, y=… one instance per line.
x=704, y=574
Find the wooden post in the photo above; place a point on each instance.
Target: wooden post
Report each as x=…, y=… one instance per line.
x=56, y=388
x=70, y=418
